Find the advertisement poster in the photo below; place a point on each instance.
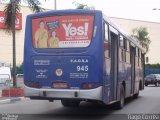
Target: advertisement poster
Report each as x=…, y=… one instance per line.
x=62, y=31
x=18, y=21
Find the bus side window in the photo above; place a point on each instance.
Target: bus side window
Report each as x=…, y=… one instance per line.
x=140, y=64
x=124, y=50
x=120, y=47
x=128, y=52
x=106, y=41
x=106, y=33
x=137, y=61
x=122, y=44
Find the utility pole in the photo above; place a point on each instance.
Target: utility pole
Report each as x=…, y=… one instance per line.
x=156, y=9
x=14, y=42
x=55, y=5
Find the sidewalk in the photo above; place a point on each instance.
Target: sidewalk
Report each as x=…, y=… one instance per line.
x=5, y=100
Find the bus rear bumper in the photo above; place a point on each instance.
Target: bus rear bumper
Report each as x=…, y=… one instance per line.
x=91, y=94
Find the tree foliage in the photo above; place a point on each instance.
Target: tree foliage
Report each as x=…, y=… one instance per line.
x=19, y=69
x=83, y=6
x=11, y=9
x=33, y=5
x=157, y=66
x=142, y=35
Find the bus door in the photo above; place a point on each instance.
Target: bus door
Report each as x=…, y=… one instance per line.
x=132, y=56
x=114, y=62
x=107, y=64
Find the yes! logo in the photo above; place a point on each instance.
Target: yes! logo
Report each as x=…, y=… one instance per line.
x=71, y=30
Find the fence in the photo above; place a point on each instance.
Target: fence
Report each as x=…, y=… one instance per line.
x=6, y=87
x=152, y=71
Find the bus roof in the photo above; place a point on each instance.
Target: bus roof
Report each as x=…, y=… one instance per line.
x=84, y=11
x=61, y=12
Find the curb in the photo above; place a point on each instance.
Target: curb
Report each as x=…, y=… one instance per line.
x=5, y=101
x=11, y=100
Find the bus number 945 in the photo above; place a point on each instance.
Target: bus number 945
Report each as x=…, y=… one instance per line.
x=82, y=68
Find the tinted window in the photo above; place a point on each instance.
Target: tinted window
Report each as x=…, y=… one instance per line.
x=121, y=42
x=106, y=41
x=71, y=31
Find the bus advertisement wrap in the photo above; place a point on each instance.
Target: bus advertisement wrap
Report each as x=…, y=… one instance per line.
x=62, y=31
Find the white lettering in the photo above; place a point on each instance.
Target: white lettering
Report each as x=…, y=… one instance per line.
x=79, y=60
x=2, y=19
x=67, y=28
x=82, y=68
x=17, y=21
x=86, y=28
x=72, y=30
x=80, y=31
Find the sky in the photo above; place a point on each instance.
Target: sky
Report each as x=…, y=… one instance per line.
x=131, y=9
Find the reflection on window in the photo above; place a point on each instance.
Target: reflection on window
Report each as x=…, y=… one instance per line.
x=106, y=41
x=127, y=57
x=106, y=32
x=128, y=46
x=121, y=41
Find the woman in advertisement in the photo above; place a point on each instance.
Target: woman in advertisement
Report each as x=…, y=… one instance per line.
x=53, y=42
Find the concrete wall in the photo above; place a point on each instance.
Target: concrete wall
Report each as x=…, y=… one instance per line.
x=125, y=24
x=153, y=28
x=6, y=40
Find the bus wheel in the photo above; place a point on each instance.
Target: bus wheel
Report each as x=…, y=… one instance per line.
x=146, y=84
x=156, y=84
x=120, y=104
x=70, y=103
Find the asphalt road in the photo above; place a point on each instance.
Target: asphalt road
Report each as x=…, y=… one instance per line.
x=147, y=103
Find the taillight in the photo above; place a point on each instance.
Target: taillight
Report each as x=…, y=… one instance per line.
x=90, y=85
x=86, y=86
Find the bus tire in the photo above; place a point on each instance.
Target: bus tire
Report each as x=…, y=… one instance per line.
x=146, y=84
x=156, y=84
x=70, y=103
x=120, y=103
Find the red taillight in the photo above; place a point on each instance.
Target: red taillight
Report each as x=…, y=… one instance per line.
x=90, y=85
x=86, y=86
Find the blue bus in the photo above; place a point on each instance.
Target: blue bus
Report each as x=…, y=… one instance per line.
x=80, y=55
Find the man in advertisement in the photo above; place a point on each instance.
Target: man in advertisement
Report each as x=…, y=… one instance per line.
x=41, y=36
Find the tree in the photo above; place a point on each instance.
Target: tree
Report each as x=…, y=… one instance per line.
x=141, y=34
x=11, y=9
x=83, y=6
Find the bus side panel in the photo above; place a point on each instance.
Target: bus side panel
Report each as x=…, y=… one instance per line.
x=124, y=76
x=120, y=77
x=137, y=79
x=27, y=49
x=107, y=81
x=128, y=79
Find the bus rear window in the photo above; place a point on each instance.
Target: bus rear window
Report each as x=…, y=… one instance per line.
x=71, y=31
